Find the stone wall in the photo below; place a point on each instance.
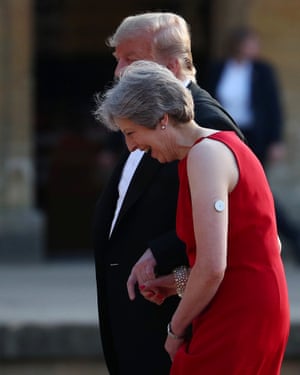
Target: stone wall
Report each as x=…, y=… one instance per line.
x=277, y=21
x=21, y=234
x=279, y=25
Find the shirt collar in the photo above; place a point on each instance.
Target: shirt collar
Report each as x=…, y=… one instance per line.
x=186, y=82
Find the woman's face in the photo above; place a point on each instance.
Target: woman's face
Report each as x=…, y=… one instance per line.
x=154, y=141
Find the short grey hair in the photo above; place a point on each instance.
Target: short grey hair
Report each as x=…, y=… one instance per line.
x=170, y=35
x=144, y=94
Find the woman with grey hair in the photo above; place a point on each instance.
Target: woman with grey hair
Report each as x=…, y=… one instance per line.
x=133, y=98
x=235, y=297
x=134, y=224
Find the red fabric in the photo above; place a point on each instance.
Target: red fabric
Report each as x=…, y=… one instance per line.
x=244, y=329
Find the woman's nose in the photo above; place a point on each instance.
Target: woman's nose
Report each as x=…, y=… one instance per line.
x=131, y=145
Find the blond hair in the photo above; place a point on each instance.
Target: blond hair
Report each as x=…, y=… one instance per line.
x=170, y=37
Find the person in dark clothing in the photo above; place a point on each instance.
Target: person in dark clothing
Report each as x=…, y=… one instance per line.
x=247, y=86
x=135, y=215
x=225, y=216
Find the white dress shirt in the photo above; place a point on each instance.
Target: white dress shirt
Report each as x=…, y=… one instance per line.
x=130, y=167
x=234, y=92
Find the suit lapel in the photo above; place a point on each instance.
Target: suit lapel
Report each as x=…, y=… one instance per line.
x=145, y=172
x=254, y=81
x=109, y=197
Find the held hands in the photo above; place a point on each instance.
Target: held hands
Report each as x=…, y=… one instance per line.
x=157, y=290
x=166, y=286
x=141, y=272
x=153, y=289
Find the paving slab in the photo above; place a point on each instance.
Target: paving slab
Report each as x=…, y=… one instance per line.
x=49, y=310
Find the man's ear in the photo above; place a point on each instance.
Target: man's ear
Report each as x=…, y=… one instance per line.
x=173, y=65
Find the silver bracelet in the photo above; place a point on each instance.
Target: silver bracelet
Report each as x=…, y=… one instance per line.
x=181, y=275
x=172, y=334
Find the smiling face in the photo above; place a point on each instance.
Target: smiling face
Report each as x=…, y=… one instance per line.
x=156, y=141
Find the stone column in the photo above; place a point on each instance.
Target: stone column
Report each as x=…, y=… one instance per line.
x=21, y=227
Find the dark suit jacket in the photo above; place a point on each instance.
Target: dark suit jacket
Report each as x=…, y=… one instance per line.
x=133, y=333
x=265, y=104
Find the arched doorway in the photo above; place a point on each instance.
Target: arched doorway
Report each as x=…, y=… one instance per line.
x=72, y=63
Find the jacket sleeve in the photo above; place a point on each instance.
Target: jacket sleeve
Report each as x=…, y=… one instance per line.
x=169, y=252
x=273, y=104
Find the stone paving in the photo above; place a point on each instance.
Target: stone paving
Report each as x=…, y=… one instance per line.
x=89, y=368
x=48, y=310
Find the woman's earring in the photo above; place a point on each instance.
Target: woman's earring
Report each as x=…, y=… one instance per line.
x=163, y=127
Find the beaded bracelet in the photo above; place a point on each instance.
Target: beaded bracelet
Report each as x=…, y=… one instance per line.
x=181, y=275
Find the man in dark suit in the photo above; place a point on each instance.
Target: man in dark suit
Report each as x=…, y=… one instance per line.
x=248, y=88
x=136, y=212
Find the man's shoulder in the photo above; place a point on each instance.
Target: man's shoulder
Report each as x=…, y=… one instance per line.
x=263, y=67
x=198, y=92
x=208, y=111
x=203, y=99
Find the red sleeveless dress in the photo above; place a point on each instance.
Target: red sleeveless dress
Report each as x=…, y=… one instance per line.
x=244, y=329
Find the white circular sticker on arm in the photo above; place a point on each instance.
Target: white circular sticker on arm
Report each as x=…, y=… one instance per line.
x=219, y=205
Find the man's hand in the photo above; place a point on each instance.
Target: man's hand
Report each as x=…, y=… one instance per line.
x=141, y=272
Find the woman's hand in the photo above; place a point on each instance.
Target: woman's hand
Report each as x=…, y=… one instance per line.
x=158, y=289
x=172, y=346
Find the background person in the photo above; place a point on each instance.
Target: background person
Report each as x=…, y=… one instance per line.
x=248, y=88
x=236, y=294
x=136, y=211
